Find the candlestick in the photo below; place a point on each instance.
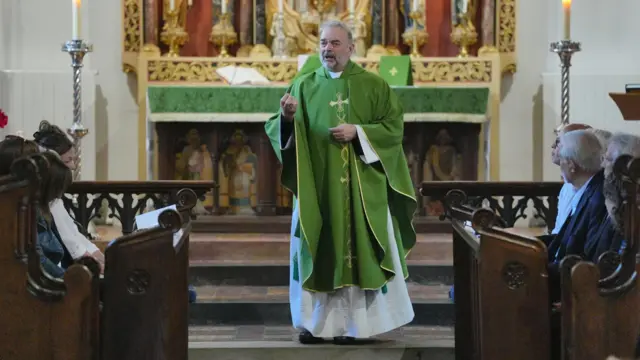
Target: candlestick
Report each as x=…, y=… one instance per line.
x=223, y=6
x=414, y=35
x=223, y=34
x=77, y=49
x=281, y=6
x=464, y=34
x=565, y=49
x=566, y=5
x=75, y=18
x=173, y=34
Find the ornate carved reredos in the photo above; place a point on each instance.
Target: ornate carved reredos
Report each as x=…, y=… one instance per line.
x=301, y=22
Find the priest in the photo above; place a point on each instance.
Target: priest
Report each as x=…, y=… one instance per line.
x=339, y=137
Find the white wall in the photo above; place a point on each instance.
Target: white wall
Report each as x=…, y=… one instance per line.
x=36, y=79
x=31, y=32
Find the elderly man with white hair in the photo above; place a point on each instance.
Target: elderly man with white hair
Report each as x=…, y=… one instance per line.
x=579, y=154
x=620, y=144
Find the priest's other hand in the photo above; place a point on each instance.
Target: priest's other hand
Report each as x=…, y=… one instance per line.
x=344, y=133
x=288, y=106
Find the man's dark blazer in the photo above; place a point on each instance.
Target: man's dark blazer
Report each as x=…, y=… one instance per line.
x=577, y=231
x=606, y=238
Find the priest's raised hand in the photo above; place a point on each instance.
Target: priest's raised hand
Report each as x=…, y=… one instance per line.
x=288, y=106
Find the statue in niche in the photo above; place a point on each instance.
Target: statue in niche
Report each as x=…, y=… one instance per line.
x=285, y=198
x=194, y=163
x=237, y=173
x=442, y=163
x=302, y=19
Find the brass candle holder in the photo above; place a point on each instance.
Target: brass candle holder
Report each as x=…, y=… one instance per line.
x=414, y=35
x=223, y=34
x=173, y=34
x=464, y=35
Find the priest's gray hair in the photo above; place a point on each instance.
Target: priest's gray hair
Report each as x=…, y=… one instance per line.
x=603, y=135
x=624, y=144
x=337, y=24
x=583, y=148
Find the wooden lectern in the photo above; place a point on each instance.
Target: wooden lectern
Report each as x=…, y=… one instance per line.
x=629, y=105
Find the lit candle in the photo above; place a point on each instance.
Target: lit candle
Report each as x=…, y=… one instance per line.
x=75, y=16
x=281, y=6
x=416, y=5
x=566, y=5
x=224, y=6
x=352, y=6
x=172, y=5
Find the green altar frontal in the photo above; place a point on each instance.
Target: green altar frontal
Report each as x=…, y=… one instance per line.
x=256, y=104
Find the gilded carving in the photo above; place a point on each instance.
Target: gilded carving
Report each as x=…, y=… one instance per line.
x=199, y=71
x=132, y=24
x=472, y=71
x=506, y=32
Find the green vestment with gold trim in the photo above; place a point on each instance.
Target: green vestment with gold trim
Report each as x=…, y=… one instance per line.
x=343, y=202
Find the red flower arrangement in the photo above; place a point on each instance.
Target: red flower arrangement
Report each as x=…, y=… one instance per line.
x=4, y=119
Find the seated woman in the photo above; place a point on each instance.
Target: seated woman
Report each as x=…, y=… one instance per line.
x=48, y=244
x=54, y=184
x=52, y=138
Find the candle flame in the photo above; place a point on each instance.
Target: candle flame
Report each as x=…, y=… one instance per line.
x=566, y=4
x=77, y=3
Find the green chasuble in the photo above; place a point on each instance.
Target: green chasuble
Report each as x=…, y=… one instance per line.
x=342, y=201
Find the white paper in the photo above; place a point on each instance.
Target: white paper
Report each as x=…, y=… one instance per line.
x=150, y=219
x=234, y=75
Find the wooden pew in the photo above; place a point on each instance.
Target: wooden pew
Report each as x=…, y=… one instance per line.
x=601, y=307
x=145, y=297
x=42, y=317
x=501, y=289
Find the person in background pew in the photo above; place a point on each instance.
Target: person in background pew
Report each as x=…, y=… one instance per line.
x=579, y=154
x=48, y=244
x=52, y=138
x=610, y=235
x=603, y=135
x=568, y=191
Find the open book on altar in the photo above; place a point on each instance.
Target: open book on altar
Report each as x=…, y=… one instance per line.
x=235, y=75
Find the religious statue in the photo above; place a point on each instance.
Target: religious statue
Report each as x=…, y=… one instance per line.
x=237, y=175
x=303, y=18
x=194, y=163
x=442, y=163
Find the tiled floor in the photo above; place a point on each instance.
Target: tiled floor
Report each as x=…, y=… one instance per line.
x=281, y=293
x=287, y=333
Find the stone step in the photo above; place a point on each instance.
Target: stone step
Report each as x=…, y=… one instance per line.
x=280, y=343
x=282, y=224
x=245, y=247
x=262, y=305
x=207, y=273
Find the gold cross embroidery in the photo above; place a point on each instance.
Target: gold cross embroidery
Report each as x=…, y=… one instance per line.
x=339, y=102
x=393, y=71
x=350, y=259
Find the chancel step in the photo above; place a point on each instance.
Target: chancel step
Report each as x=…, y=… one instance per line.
x=282, y=224
x=277, y=273
x=259, y=305
x=279, y=343
x=249, y=247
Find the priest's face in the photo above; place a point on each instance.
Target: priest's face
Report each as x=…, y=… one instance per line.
x=335, y=48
